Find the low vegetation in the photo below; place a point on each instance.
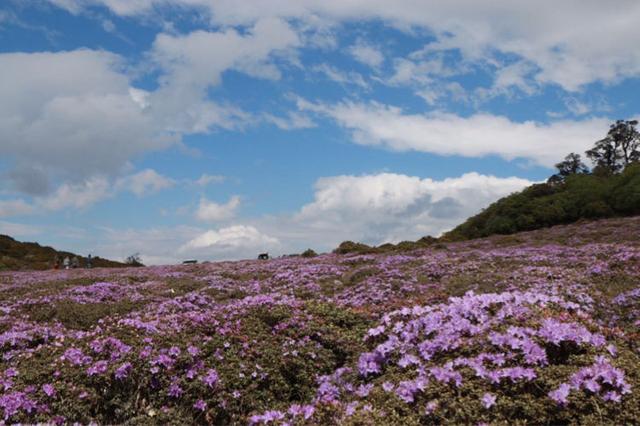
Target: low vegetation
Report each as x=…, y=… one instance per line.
x=538, y=327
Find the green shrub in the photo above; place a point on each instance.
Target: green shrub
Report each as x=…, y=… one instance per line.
x=309, y=253
x=351, y=247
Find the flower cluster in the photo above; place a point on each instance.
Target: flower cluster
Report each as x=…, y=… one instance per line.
x=543, y=324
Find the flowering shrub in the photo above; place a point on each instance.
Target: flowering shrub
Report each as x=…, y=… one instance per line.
x=535, y=328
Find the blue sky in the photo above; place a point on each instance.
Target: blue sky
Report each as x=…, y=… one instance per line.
x=217, y=129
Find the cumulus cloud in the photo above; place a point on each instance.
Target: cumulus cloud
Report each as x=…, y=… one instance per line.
x=93, y=190
x=209, y=211
x=235, y=241
x=82, y=118
x=156, y=245
x=389, y=207
x=478, y=135
x=375, y=208
x=73, y=121
x=193, y=62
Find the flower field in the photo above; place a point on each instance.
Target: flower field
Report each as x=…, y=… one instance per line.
x=533, y=328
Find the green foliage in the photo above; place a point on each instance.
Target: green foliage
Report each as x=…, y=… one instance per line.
x=579, y=196
x=351, y=247
x=309, y=253
x=79, y=316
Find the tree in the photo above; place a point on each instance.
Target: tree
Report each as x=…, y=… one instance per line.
x=134, y=260
x=627, y=138
x=618, y=149
x=571, y=165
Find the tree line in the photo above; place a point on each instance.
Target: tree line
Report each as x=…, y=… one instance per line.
x=609, y=155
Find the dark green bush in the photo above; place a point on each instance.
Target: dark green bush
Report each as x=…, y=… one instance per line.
x=309, y=253
x=351, y=247
x=580, y=196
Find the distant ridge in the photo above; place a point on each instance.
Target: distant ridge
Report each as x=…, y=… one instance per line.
x=19, y=256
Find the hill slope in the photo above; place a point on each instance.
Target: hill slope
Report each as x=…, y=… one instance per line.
x=17, y=255
x=580, y=196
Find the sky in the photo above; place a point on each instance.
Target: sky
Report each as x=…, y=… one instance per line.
x=220, y=129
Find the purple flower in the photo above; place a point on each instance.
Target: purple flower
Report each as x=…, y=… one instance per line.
x=306, y=411
x=175, y=391
x=406, y=391
x=174, y=351
x=368, y=363
x=164, y=360
x=200, y=405
x=99, y=367
x=267, y=417
x=363, y=390
x=488, y=400
x=211, y=378
x=612, y=396
x=431, y=407
x=123, y=371
x=76, y=356
x=49, y=390
x=561, y=394
x=350, y=409
x=11, y=403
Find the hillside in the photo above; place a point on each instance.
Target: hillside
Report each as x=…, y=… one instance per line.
x=16, y=255
x=532, y=328
x=578, y=196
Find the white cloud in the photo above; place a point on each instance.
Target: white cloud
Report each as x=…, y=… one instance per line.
x=231, y=242
x=209, y=211
x=194, y=62
x=293, y=120
x=82, y=118
x=390, y=207
x=206, y=180
x=515, y=75
x=367, y=54
x=376, y=208
x=108, y=26
x=420, y=72
x=14, y=208
x=155, y=245
x=558, y=37
x=147, y=181
x=78, y=196
x=99, y=188
x=74, y=121
x=341, y=77
x=474, y=136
